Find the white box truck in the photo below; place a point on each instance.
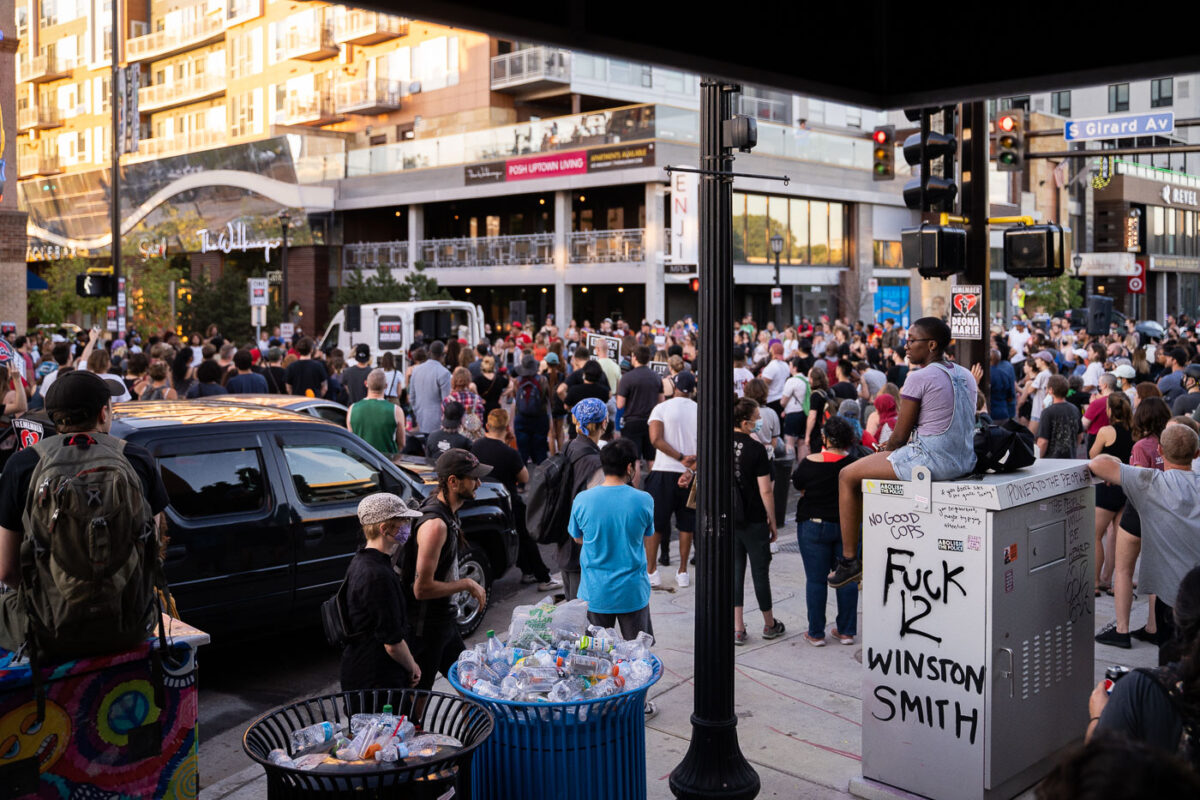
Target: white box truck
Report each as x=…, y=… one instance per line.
x=392, y=327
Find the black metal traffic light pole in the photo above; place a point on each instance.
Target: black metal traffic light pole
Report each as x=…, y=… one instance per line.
x=714, y=765
x=975, y=161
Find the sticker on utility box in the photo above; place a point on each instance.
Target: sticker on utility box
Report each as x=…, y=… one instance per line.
x=1010, y=553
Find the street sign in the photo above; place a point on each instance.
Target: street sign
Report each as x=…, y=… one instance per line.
x=286, y=331
x=776, y=296
x=111, y=318
x=872, y=285
x=275, y=276
x=132, y=132
x=258, y=291
x=1136, y=284
x=1119, y=127
x=966, y=312
x=1108, y=265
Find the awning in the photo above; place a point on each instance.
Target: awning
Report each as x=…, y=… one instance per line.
x=33, y=283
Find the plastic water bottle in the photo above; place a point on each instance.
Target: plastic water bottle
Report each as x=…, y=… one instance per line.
x=404, y=729
x=467, y=674
x=280, y=758
x=494, y=647
x=540, y=658
x=568, y=689
x=511, y=655
x=487, y=689
x=578, y=664
x=633, y=649
x=594, y=645
x=313, y=737
x=360, y=721
x=510, y=687
x=470, y=657
x=605, y=688
x=636, y=673
x=536, y=679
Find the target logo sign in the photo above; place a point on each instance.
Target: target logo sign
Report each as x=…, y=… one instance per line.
x=1136, y=284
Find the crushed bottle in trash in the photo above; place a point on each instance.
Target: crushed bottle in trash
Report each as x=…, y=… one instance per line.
x=321, y=736
x=280, y=757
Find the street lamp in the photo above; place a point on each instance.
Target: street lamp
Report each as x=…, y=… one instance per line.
x=285, y=221
x=777, y=249
x=1078, y=262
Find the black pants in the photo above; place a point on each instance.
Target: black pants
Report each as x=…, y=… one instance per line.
x=752, y=541
x=1164, y=617
x=529, y=558
x=436, y=651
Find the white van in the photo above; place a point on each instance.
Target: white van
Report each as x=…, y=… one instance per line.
x=391, y=327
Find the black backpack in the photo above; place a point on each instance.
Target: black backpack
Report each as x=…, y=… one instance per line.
x=1006, y=447
x=335, y=619
x=548, y=498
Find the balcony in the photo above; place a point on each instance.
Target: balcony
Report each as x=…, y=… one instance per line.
x=160, y=44
x=489, y=251
x=373, y=255
x=35, y=164
x=368, y=27
x=533, y=72
x=315, y=44
x=366, y=96
x=43, y=68
x=181, y=143
x=189, y=90
x=619, y=246
x=38, y=118
x=314, y=108
x=765, y=109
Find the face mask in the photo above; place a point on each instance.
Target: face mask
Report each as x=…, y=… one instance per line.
x=402, y=533
x=758, y=425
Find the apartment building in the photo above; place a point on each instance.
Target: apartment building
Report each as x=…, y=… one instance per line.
x=513, y=172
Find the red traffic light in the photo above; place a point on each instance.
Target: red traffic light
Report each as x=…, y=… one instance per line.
x=1007, y=123
x=881, y=136
x=695, y=284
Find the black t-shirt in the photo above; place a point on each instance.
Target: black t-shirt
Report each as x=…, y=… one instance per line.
x=441, y=440
x=1185, y=404
x=750, y=462
x=375, y=606
x=806, y=363
x=354, y=379
x=819, y=482
x=1139, y=709
x=14, y=483
x=505, y=462
x=640, y=387
x=576, y=379
x=205, y=390
x=817, y=402
x=896, y=374
x=276, y=379
x=844, y=390
x=1060, y=426
x=304, y=375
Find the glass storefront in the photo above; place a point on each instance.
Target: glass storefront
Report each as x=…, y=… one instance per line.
x=814, y=231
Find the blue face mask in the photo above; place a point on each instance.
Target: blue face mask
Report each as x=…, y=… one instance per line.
x=758, y=425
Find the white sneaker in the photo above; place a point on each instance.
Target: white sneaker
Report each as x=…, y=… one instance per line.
x=682, y=580
x=655, y=579
x=550, y=585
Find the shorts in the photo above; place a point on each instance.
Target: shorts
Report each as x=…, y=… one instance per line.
x=1131, y=521
x=794, y=424
x=1110, y=498
x=638, y=432
x=669, y=499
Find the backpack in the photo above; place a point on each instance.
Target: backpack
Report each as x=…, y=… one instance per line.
x=530, y=401
x=90, y=560
x=335, y=619
x=1168, y=680
x=548, y=499
x=1003, y=448
x=828, y=410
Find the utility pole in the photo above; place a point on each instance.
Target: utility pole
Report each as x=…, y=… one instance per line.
x=975, y=157
x=114, y=183
x=714, y=766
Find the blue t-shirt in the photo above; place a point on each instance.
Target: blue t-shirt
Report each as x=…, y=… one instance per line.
x=613, y=522
x=250, y=383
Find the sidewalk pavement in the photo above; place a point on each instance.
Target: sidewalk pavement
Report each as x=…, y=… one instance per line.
x=799, y=707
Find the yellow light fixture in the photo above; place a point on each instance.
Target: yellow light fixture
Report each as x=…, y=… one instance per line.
x=582, y=198
x=621, y=289
x=543, y=290
x=397, y=213
x=468, y=290
x=584, y=290
x=541, y=201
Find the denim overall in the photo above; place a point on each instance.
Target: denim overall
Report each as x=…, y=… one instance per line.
x=950, y=454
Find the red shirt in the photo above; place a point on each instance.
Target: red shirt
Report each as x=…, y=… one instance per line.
x=1097, y=412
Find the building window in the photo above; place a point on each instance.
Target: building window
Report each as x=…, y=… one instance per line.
x=1015, y=103
x=1118, y=97
x=887, y=254
x=1060, y=103
x=1162, y=92
x=814, y=231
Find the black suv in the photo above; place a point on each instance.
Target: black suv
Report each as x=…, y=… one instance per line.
x=262, y=520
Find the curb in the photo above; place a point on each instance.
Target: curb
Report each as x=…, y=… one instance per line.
x=232, y=783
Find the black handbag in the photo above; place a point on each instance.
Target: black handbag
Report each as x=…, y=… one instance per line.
x=1003, y=448
x=336, y=620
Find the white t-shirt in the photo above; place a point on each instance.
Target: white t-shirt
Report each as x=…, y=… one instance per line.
x=1091, y=375
x=775, y=374
x=678, y=417
x=1017, y=340
x=795, y=391
x=789, y=348
x=1039, y=392
x=740, y=376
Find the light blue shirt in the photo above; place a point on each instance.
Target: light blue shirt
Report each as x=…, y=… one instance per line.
x=613, y=522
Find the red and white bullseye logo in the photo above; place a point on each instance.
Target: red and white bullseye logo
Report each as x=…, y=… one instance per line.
x=1136, y=284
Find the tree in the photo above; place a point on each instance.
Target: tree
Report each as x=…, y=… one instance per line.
x=59, y=303
x=1053, y=294
x=224, y=303
x=150, y=295
x=382, y=287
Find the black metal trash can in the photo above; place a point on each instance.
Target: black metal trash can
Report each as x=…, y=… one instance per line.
x=784, y=465
x=412, y=779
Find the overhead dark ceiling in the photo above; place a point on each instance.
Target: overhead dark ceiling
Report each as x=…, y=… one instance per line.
x=874, y=53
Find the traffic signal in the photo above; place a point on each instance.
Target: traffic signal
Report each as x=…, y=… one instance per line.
x=1034, y=251
x=934, y=251
x=95, y=285
x=695, y=284
x=1010, y=141
x=926, y=191
x=884, y=150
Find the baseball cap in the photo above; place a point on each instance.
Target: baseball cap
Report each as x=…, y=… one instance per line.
x=452, y=412
x=382, y=506
x=461, y=463
x=551, y=358
x=1045, y=355
x=1192, y=371
x=1123, y=371
x=362, y=353
x=686, y=381
x=77, y=396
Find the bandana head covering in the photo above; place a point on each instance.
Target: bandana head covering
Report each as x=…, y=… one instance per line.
x=589, y=411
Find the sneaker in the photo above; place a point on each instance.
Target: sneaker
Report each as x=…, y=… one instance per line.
x=1112, y=638
x=775, y=631
x=847, y=570
x=664, y=558
x=528, y=579
x=682, y=580
x=1143, y=635
x=740, y=637
x=550, y=585
x=815, y=642
x=843, y=639
x=651, y=710
x=655, y=579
